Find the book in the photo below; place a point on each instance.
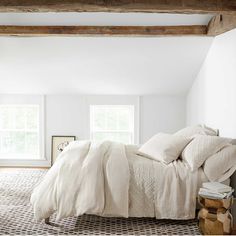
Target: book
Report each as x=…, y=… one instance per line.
x=207, y=193
x=210, y=196
x=217, y=187
x=215, y=191
x=229, y=194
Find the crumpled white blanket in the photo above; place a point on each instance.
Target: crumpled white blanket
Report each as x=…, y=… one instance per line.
x=110, y=179
x=87, y=177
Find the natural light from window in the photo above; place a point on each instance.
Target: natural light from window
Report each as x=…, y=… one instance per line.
x=19, y=132
x=112, y=122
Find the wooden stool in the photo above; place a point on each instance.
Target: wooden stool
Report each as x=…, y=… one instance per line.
x=214, y=217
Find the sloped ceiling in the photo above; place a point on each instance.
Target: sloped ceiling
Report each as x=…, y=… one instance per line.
x=166, y=65
x=100, y=65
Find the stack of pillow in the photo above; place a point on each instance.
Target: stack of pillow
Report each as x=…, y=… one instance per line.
x=197, y=146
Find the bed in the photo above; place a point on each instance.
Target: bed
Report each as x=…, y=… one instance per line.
x=142, y=199
x=113, y=180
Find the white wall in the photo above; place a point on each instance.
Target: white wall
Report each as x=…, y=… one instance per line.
x=64, y=115
x=161, y=114
x=212, y=98
x=68, y=114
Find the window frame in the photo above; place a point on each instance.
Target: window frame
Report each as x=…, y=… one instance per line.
x=22, y=100
x=91, y=121
x=114, y=100
x=9, y=156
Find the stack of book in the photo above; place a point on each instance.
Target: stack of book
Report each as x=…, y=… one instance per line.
x=215, y=190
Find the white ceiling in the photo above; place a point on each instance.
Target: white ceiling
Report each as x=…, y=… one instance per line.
x=100, y=65
x=102, y=19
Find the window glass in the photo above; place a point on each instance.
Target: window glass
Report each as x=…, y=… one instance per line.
x=112, y=122
x=19, y=131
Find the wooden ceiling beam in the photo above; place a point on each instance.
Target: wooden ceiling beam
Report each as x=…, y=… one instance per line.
x=148, y=31
x=161, y=6
x=221, y=24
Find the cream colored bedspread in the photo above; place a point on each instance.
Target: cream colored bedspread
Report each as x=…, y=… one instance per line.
x=109, y=179
x=159, y=190
x=87, y=177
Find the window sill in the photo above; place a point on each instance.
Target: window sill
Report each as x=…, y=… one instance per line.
x=25, y=163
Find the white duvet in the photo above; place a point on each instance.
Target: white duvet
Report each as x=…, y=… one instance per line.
x=87, y=178
x=109, y=179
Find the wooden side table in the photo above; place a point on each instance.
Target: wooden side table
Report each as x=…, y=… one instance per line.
x=214, y=217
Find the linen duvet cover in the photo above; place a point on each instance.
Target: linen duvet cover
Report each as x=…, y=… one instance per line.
x=110, y=179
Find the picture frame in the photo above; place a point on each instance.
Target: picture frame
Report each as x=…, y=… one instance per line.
x=59, y=142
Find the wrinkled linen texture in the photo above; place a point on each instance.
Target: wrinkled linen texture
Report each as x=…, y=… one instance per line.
x=87, y=177
x=110, y=179
x=159, y=190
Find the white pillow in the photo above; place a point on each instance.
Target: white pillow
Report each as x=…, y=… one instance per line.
x=198, y=129
x=221, y=165
x=164, y=147
x=202, y=147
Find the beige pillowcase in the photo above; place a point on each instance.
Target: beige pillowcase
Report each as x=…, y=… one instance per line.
x=198, y=129
x=164, y=147
x=201, y=148
x=221, y=165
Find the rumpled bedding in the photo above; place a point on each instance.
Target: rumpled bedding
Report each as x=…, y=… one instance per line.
x=110, y=179
x=159, y=190
x=87, y=177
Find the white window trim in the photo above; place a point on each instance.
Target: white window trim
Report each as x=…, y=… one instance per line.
x=21, y=156
x=116, y=100
x=43, y=161
x=131, y=131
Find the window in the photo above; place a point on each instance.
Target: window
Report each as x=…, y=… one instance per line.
x=19, y=132
x=112, y=122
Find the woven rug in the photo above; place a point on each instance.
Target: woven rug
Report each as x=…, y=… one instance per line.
x=16, y=215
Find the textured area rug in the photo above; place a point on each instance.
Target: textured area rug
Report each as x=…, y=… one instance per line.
x=16, y=215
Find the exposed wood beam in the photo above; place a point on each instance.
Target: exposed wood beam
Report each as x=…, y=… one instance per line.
x=148, y=31
x=166, y=6
x=221, y=24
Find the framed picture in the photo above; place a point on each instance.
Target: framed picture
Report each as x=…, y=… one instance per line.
x=58, y=144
